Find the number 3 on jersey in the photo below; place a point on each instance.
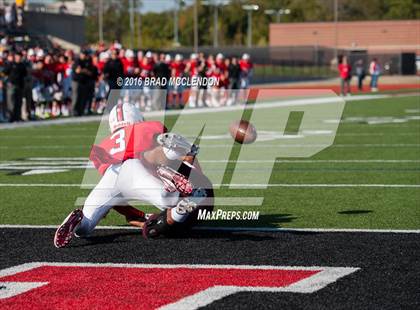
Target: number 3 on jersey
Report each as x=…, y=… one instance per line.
x=119, y=137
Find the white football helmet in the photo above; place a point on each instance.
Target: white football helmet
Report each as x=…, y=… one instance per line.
x=129, y=54
x=124, y=114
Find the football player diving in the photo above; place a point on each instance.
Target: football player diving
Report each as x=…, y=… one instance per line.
x=141, y=161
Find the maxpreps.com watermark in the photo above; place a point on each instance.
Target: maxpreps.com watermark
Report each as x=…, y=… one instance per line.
x=220, y=214
x=182, y=81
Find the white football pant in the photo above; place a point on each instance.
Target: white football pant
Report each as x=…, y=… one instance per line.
x=121, y=183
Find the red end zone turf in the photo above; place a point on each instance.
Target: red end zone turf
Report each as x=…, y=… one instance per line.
x=133, y=288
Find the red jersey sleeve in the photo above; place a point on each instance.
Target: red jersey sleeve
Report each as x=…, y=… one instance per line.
x=101, y=158
x=143, y=137
x=127, y=143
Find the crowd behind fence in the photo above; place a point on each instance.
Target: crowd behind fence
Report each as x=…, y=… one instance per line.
x=57, y=82
x=286, y=64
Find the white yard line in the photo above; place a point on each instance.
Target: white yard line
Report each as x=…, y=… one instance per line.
x=42, y=185
x=315, y=185
x=320, y=230
x=361, y=134
x=13, y=137
x=26, y=167
x=256, y=145
x=223, y=228
x=309, y=145
x=58, y=158
x=56, y=161
x=319, y=161
x=247, y=186
x=333, y=99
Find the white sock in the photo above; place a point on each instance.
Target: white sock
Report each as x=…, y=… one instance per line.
x=177, y=216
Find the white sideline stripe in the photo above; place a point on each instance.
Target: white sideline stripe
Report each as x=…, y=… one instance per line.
x=310, y=161
x=59, y=158
x=316, y=230
x=40, y=163
x=230, y=185
x=42, y=185
x=43, y=171
x=67, y=164
x=296, y=102
x=309, y=145
x=256, y=145
x=233, y=229
x=218, y=201
x=320, y=185
x=361, y=134
x=84, y=159
x=315, y=185
x=32, y=167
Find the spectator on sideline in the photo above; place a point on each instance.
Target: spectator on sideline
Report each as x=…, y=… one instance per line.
x=202, y=73
x=162, y=69
x=177, y=69
x=16, y=72
x=361, y=74
x=54, y=83
x=64, y=82
x=146, y=71
x=113, y=70
x=234, y=79
x=85, y=74
x=344, y=70
x=192, y=70
x=130, y=65
x=10, y=16
x=3, y=105
x=28, y=85
x=234, y=73
x=374, y=71
x=162, y=72
x=246, y=70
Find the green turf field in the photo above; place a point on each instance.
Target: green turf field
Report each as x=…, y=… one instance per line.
x=377, y=142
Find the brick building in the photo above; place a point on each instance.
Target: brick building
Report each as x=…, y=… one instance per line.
x=376, y=37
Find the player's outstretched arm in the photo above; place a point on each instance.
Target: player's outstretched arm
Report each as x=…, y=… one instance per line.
x=156, y=156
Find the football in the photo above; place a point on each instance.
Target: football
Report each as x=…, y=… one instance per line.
x=243, y=132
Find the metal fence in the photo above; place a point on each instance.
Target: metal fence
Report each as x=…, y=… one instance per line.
x=277, y=64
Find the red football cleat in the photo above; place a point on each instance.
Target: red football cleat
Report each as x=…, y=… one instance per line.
x=65, y=231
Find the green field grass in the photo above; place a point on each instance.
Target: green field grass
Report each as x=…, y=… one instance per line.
x=372, y=144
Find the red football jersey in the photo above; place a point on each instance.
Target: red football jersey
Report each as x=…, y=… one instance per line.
x=193, y=67
x=147, y=69
x=245, y=65
x=221, y=66
x=126, y=143
x=129, y=66
x=177, y=68
x=345, y=70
